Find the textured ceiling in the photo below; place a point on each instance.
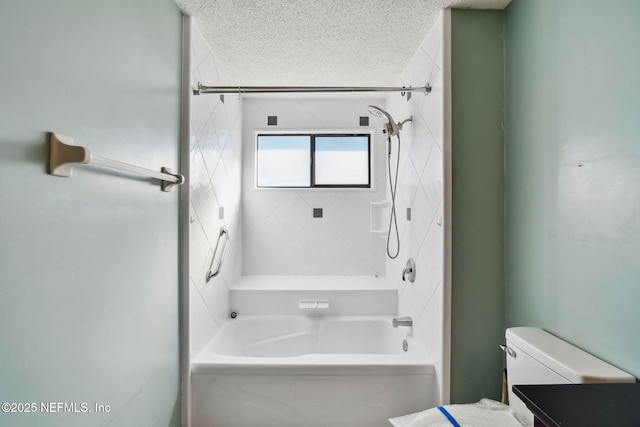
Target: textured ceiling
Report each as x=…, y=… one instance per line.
x=318, y=42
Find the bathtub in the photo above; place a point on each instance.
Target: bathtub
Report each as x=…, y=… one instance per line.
x=310, y=370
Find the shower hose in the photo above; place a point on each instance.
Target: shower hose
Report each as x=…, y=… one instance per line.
x=393, y=185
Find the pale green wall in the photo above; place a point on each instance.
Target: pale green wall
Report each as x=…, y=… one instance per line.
x=477, y=81
x=89, y=264
x=573, y=173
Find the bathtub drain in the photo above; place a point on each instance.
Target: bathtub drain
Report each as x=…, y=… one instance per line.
x=405, y=345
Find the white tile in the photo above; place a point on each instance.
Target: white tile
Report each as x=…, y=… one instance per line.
x=422, y=71
x=338, y=115
x=293, y=214
x=206, y=207
x=433, y=248
x=199, y=178
x=433, y=39
x=426, y=282
x=421, y=215
x=346, y=213
x=257, y=254
x=221, y=123
x=257, y=111
x=267, y=239
x=200, y=47
x=409, y=184
x=200, y=113
x=233, y=260
x=318, y=199
x=296, y=258
x=438, y=390
x=259, y=205
x=433, y=321
x=317, y=236
x=220, y=183
x=225, y=79
x=208, y=74
x=432, y=177
x=319, y=267
x=233, y=149
x=216, y=297
x=200, y=251
x=195, y=78
x=254, y=112
x=432, y=110
x=233, y=103
x=340, y=256
x=421, y=145
x=209, y=148
x=407, y=72
x=406, y=182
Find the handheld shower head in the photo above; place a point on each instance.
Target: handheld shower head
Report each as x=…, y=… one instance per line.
x=379, y=112
x=392, y=127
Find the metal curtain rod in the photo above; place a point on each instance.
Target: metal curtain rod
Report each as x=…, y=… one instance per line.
x=242, y=90
x=63, y=156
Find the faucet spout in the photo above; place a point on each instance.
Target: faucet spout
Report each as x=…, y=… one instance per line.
x=402, y=321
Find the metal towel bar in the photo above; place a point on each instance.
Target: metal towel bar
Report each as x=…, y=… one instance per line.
x=211, y=274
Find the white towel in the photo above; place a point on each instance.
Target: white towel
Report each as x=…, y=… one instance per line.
x=485, y=413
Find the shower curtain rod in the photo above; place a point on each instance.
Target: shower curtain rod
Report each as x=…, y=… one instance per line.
x=242, y=90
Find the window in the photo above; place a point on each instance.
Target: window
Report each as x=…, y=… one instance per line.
x=313, y=160
x=284, y=160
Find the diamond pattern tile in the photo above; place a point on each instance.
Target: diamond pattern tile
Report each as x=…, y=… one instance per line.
x=340, y=242
x=215, y=178
x=274, y=232
x=421, y=188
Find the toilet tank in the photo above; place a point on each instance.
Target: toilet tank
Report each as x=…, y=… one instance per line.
x=534, y=356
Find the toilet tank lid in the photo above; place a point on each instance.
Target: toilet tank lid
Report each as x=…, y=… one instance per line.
x=572, y=363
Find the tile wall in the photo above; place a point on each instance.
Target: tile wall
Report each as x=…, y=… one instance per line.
x=216, y=128
x=420, y=188
x=281, y=236
x=273, y=232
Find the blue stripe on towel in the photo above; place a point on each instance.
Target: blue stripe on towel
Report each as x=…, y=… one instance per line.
x=449, y=416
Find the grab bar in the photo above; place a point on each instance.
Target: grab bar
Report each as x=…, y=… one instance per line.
x=212, y=274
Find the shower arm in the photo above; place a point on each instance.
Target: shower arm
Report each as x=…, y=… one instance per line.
x=410, y=119
x=400, y=124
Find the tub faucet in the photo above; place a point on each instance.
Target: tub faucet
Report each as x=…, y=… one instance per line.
x=402, y=321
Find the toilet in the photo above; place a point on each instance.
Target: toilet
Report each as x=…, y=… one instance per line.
x=534, y=356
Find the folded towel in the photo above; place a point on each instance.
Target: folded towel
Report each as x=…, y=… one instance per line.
x=485, y=413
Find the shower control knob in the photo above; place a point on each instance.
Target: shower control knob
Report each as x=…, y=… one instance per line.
x=409, y=271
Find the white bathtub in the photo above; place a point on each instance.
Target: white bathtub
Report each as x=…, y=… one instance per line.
x=307, y=371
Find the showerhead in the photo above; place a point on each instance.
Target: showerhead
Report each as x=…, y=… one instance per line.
x=392, y=127
x=379, y=112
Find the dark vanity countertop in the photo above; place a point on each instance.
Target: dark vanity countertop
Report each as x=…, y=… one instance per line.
x=583, y=405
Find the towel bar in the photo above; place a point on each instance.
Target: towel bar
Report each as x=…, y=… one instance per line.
x=63, y=156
